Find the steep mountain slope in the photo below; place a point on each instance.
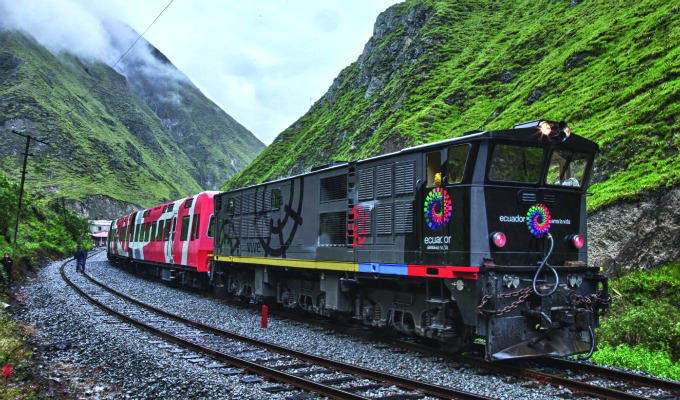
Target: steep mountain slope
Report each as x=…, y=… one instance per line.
x=139, y=138
x=436, y=68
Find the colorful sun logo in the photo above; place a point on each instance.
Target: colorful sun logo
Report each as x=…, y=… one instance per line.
x=538, y=220
x=437, y=208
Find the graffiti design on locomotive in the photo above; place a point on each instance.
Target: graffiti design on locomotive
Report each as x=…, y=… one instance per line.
x=481, y=237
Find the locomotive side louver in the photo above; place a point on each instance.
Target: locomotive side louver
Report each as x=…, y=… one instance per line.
x=403, y=217
x=404, y=177
x=384, y=176
x=549, y=198
x=528, y=197
x=383, y=217
x=366, y=184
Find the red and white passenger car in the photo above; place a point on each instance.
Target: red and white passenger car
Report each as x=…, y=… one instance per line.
x=171, y=241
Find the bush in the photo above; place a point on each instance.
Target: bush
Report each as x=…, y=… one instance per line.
x=642, y=328
x=14, y=351
x=44, y=231
x=658, y=363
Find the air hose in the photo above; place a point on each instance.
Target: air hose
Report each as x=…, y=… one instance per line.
x=592, y=345
x=544, y=263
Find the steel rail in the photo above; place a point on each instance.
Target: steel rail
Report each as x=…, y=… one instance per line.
x=575, y=385
x=261, y=370
x=400, y=381
x=555, y=380
x=643, y=380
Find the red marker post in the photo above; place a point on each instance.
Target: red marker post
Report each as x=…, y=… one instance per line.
x=265, y=315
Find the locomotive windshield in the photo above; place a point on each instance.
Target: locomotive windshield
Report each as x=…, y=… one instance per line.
x=512, y=163
x=567, y=168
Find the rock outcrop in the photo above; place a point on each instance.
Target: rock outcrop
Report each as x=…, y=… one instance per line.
x=636, y=235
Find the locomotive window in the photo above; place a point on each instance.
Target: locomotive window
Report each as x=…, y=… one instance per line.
x=185, y=228
x=457, y=158
x=211, y=226
x=567, y=168
x=276, y=199
x=511, y=163
x=434, y=169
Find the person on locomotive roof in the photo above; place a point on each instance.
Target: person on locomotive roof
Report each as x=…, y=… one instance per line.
x=7, y=264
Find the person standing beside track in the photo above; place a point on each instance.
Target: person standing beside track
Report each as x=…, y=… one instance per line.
x=7, y=264
x=83, y=258
x=78, y=256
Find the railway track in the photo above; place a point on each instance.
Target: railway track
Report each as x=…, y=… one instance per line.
x=616, y=383
x=618, y=387
x=292, y=369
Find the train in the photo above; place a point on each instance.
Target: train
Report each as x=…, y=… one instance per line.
x=477, y=239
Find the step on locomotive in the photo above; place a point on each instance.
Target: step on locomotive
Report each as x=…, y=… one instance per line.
x=478, y=238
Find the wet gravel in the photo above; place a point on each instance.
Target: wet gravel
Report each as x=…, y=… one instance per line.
x=319, y=341
x=86, y=354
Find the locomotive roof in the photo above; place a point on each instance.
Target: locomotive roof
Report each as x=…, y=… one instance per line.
x=522, y=133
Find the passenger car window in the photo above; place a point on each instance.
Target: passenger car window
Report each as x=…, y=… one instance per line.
x=161, y=225
x=168, y=225
x=567, y=168
x=196, y=225
x=211, y=226
x=458, y=156
x=185, y=228
x=512, y=163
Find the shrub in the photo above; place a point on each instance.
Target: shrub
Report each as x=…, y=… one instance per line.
x=642, y=328
x=658, y=363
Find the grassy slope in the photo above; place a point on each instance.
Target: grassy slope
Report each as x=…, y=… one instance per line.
x=105, y=138
x=609, y=68
x=44, y=232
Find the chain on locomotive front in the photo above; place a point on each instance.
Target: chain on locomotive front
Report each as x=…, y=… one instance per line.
x=478, y=237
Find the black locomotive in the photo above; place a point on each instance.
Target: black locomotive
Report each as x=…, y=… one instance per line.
x=481, y=237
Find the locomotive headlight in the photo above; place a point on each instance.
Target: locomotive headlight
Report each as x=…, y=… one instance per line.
x=499, y=239
x=545, y=128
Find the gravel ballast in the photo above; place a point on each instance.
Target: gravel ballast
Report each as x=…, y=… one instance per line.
x=312, y=339
x=89, y=356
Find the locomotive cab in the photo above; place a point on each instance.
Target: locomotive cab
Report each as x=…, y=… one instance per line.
x=518, y=197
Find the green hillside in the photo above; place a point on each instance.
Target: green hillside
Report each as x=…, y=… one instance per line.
x=124, y=138
x=436, y=68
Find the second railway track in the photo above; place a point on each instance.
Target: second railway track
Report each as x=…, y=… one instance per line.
x=313, y=373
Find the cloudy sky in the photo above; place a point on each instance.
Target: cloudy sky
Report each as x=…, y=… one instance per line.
x=264, y=62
